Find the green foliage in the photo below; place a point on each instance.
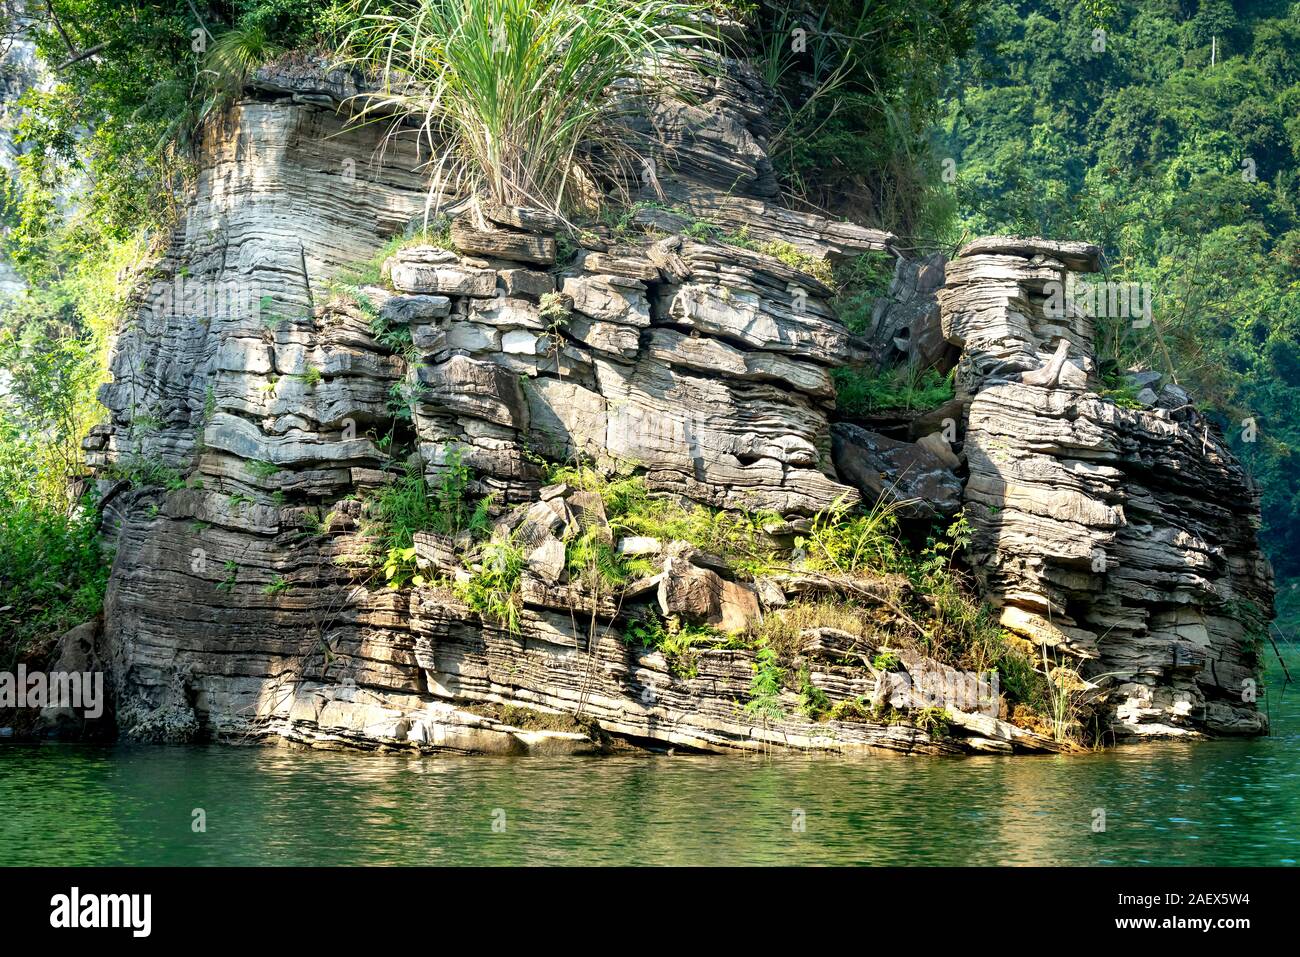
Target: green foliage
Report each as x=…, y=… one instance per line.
x=493, y=588
x=394, y=336
x=124, y=120
x=851, y=542
x=701, y=230
x=856, y=709
x=946, y=621
x=44, y=408
x=935, y=722
x=351, y=280
x=277, y=586
x=552, y=310
x=859, y=392
x=594, y=565
x=856, y=100
x=510, y=93
x=646, y=629
x=963, y=630
x=679, y=642
x=1117, y=390
x=146, y=472
x=52, y=574
x=813, y=702
x=234, y=56
x=886, y=661
x=408, y=505
x=765, y=688
x=227, y=584
x=632, y=510
x=118, y=126
x=859, y=282
x=312, y=377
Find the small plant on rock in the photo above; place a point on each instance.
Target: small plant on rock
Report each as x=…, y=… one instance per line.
x=765, y=689
x=493, y=589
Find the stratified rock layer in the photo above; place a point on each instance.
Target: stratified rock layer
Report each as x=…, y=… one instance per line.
x=253, y=403
x=244, y=600
x=1121, y=538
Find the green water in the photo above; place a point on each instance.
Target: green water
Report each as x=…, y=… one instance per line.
x=1225, y=802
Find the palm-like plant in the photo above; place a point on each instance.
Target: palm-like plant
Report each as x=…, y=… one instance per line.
x=512, y=96
x=235, y=56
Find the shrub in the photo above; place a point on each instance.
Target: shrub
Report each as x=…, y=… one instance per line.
x=52, y=574
x=765, y=689
x=493, y=589
x=813, y=702
x=408, y=506
x=852, y=542
x=933, y=721
x=859, y=282
x=677, y=641
x=633, y=510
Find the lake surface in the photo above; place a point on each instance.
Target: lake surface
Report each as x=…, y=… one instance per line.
x=1212, y=803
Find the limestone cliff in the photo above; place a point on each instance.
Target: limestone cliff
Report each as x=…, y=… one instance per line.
x=252, y=408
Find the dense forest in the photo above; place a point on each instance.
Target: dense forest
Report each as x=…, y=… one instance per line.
x=1168, y=132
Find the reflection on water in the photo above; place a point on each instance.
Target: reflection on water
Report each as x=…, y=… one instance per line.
x=1226, y=802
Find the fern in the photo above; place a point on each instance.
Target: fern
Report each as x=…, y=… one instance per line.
x=493, y=590
x=765, y=688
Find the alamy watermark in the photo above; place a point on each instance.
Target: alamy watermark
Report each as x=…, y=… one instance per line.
x=74, y=910
x=79, y=690
x=1102, y=300
x=946, y=688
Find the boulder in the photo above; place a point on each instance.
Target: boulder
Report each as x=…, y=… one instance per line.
x=638, y=545
x=702, y=596
x=430, y=271
x=899, y=473
x=546, y=560
x=502, y=244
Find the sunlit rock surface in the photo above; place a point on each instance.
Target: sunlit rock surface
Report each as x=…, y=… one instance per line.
x=260, y=404
x=1122, y=538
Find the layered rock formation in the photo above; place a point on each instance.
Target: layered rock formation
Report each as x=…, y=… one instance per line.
x=253, y=404
x=1122, y=539
x=256, y=403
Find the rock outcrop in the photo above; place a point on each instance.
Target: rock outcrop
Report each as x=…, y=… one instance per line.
x=260, y=390
x=1122, y=539
x=253, y=403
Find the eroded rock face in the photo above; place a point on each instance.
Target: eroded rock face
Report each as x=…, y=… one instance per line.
x=251, y=404
x=1122, y=539
x=909, y=475
x=905, y=324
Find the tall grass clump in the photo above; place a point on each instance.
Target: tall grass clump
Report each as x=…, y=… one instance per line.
x=511, y=96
